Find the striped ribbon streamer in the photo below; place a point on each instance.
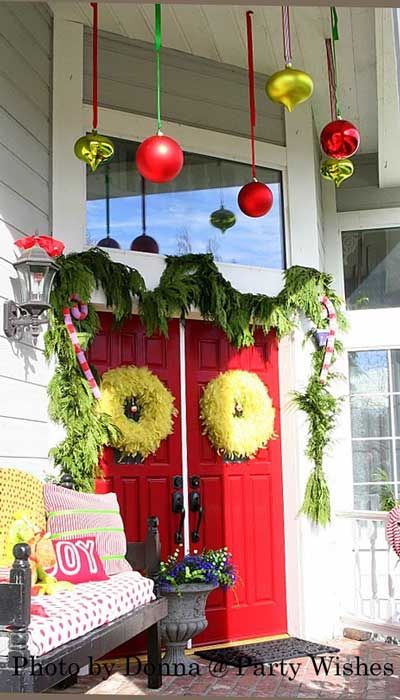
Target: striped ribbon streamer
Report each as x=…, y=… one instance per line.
x=287, y=43
x=331, y=78
x=330, y=343
x=79, y=312
x=252, y=101
x=335, y=38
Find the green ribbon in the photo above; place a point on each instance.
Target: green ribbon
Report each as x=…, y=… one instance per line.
x=157, y=44
x=335, y=38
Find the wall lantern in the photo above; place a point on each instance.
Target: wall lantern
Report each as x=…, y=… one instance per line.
x=36, y=270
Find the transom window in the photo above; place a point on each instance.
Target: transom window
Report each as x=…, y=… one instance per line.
x=375, y=426
x=177, y=214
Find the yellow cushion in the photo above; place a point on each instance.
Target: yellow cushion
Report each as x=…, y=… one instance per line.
x=21, y=492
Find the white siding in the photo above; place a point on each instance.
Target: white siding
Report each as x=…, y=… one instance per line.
x=25, y=175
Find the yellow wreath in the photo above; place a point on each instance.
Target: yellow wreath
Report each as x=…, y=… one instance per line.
x=140, y=406
x=237, y=414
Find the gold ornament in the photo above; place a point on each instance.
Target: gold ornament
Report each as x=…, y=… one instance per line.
x=336, y=170
x=289, y=87
x=94, y=149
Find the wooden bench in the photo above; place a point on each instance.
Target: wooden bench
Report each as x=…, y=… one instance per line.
x=16, y=668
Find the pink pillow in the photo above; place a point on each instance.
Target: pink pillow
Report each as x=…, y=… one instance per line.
x=71, y=514
x=78, y=561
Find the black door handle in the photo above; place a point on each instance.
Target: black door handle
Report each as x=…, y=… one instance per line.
x=178, y=533
x=194, y=501
x=196, y=531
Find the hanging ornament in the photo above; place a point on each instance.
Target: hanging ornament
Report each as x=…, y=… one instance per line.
x=79, y=312
x=336, y=170
x=222, y=218
x=340, y=138
x=108, y=242
x=159, y=158
x=254, y=199
x=94, y=149
x=290, y=86
x=144, y=243
x=330, y=341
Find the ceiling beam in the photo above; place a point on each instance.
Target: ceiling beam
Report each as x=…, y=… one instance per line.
x=388, y=99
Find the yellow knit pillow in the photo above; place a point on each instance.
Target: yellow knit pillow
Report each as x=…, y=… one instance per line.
x=21, y=492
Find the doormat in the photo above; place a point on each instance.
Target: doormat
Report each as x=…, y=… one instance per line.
x=266, y=652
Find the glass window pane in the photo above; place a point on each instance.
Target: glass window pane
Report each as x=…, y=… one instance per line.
x=368, y=372
x=372, y=496
x=372, y=460
x=396, y=410
x=371, y=261
x=177, y=213
x=370, y=416
x=395, y=360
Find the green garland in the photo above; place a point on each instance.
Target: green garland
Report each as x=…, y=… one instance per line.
x=188, y=281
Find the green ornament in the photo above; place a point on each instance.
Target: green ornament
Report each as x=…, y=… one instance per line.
x=223, y=219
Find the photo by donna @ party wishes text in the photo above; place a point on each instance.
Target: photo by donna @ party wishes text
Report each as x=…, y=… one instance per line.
x=324, y=667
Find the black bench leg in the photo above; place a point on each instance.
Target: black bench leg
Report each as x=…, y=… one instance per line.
x=154, y=679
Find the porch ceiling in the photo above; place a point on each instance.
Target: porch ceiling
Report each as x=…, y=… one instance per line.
x=218, y=33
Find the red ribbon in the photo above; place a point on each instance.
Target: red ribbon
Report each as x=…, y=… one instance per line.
x=94, y=59
x=52, y=247
x=252, y=101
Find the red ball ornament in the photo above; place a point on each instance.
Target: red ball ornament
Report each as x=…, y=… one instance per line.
x=255, y=199
x=159, y=158
x=340, y=139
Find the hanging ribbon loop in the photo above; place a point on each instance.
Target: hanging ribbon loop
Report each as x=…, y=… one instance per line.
x=95, y=64
x=335, y=38
x=158, y=44
x=287, y=43
x=252, y=102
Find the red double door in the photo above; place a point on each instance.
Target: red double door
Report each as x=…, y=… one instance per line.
x=237, y=504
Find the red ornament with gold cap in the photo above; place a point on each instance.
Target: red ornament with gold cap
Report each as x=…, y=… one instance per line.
x=159, y=158
x=255, y=198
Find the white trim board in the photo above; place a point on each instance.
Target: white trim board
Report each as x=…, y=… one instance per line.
x=370, y=218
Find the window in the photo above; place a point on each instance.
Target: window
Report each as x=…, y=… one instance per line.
x=375, y=426
x=177, y=214
x=371, y=260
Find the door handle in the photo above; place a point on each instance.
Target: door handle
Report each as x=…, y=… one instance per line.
x=194, y=501
x=178, y=533
x=196, y=531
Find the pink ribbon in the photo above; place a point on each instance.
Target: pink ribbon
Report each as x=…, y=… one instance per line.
x=79, y=312
x=330, y=343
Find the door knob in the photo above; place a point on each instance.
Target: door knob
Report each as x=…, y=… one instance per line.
x=196, y=531
x=194, y=501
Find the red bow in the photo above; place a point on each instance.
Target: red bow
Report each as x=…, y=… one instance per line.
x=49, y=244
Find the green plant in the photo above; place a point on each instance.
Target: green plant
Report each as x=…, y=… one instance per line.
x=213, y=566
x=387, y=497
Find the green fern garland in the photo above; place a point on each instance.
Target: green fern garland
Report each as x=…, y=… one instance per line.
x=188, y=281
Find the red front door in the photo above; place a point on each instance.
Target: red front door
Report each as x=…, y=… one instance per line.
x=242, y=503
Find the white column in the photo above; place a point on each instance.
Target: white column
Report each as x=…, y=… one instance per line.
x=303, y=247
x=69, y=175
x=310, y=565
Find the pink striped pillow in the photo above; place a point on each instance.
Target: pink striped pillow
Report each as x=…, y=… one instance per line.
x=70, y=514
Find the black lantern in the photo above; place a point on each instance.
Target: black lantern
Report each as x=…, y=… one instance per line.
x=36, y=271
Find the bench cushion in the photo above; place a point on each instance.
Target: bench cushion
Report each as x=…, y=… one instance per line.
x=71, y=514
x=72, y=614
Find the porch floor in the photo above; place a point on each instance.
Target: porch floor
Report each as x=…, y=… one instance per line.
x=307, y=683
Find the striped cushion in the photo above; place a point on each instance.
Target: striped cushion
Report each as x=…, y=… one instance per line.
x=70, y=514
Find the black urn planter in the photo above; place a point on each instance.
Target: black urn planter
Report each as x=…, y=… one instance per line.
x=186, y=618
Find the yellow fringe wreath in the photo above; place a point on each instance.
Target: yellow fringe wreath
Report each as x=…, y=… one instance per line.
x=237, y=414
x=156, y=406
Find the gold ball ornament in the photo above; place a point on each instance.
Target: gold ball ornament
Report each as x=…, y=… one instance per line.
x=336, y=170
x=94, y=149
x=289, y=87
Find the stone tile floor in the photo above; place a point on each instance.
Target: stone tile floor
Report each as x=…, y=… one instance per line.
x=306, y=684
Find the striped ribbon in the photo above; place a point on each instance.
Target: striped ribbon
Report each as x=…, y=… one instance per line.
x=79, y=312
x=287, y=44
x=330, y=343
x=331, y=78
